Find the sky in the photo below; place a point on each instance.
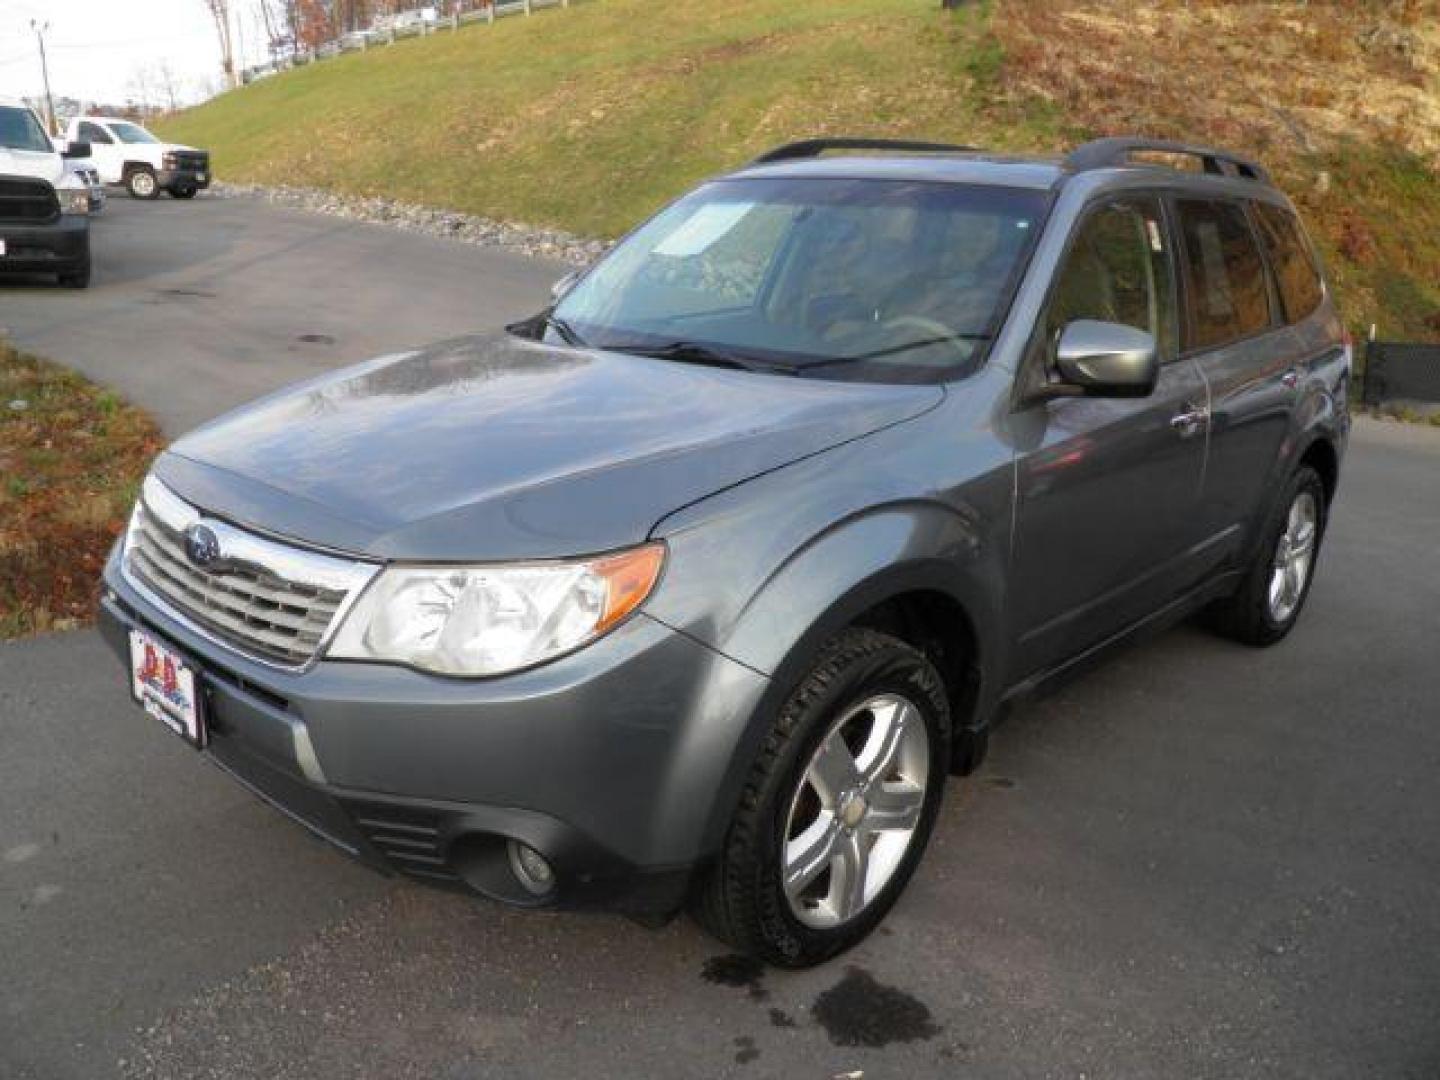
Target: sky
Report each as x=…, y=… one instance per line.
x=95, y=47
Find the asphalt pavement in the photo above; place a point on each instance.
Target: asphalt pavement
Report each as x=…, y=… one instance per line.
x=1199, y=861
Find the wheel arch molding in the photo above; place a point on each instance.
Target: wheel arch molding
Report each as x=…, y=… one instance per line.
x=799, y=608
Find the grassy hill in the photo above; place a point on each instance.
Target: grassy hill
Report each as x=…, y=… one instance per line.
x=587, y=119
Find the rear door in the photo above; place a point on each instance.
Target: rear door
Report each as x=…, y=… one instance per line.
x=1235, y=332
x=1107, y=489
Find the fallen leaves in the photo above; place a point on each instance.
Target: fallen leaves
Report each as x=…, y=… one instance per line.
x=72, y=456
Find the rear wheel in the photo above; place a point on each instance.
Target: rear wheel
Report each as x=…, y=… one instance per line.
x=140, y=181
x=1273, y=593
x=183, y=191
x=838, y=807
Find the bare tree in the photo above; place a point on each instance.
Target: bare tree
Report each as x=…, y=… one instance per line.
x=167, y=85
x=138, y=90
x=220, y=12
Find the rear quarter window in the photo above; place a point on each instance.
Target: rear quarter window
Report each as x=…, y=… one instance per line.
x=1227, y=297
x=1295, y=272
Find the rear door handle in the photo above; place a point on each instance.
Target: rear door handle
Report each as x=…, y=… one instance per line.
x=1290, y=379
x=1190, y=421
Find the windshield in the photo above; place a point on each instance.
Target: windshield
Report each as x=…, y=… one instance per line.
x=19, y=130
x=877, y=279
x=132, y=133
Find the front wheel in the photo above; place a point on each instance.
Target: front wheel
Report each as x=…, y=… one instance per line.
x=1268, y=603
x=142, y=183
x=183, y=191
x=838, y=807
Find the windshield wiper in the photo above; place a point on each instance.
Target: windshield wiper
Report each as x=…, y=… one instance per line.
x=565, y=330
x=692, y=352
x=890, y=350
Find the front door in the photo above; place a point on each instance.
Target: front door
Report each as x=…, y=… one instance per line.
x=106, y=154
x=1107, y=490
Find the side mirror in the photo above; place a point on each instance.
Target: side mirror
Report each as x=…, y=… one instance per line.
x=1105, y=359
x=76, y=150
x=563, y=286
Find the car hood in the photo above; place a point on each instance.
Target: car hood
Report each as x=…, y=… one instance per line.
x=37, y=163
x=499, y=448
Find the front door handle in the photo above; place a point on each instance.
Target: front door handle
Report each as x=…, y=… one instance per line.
x=1190, y=421
x=1290, y=379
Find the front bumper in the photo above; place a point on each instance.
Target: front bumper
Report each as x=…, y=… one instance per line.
x=608, y=762
x=54, y=247
x=183, y=177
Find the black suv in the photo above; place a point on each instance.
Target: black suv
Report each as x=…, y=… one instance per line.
x=697, y=586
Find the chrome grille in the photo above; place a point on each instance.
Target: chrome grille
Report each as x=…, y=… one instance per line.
x=273, y=601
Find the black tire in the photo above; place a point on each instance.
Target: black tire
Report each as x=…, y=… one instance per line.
x=184, y=191
x=1247, y=615
x=79, y=278
x=141, y=182
x=742, y=900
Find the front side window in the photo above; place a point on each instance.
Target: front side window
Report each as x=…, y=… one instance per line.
x=885, y=280
x=1295, y=273
x=19, y=130
x=132, y=133
x=94, y=133
x=1117, y=271
x=1226, y=293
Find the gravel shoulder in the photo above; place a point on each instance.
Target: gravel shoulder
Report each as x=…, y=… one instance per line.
x=445, y=224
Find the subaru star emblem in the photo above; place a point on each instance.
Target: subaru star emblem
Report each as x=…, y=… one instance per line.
x=202, y=545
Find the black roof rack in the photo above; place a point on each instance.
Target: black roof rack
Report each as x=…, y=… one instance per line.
x=1110, y=153
x=809, y=148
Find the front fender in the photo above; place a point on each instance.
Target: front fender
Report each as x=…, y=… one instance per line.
x=823, y=587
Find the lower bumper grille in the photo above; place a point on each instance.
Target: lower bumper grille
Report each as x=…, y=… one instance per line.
x=410, y=840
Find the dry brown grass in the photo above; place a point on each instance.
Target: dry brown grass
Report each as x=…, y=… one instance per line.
x=1340, y=98
x=1276, y=77
x=71, y=458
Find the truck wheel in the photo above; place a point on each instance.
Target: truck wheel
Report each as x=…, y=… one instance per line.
x=838, y=806
x=141, y=183
x=1268, y=603
x=183, y=191
x=79, y=278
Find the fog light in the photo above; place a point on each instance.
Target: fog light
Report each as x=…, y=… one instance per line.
x=531, y=869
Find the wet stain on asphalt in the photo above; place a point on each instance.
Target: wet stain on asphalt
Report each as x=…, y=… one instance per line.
x=741, y=972
x=781, y=1019
x=745, y=1051
x=316, y=339
x=858, y=1011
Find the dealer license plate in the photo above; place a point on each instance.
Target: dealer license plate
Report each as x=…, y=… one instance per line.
x=166, y=687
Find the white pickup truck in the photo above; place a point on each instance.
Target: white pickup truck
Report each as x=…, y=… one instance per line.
x=125, y=153
x=44, y=206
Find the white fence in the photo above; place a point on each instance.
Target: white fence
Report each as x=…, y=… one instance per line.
x=360, y=40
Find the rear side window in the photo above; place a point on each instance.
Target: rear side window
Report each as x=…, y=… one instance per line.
x=93, y=133
x=1295, y=273
x=1226, y=294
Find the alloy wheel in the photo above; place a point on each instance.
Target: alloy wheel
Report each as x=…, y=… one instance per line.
x=1294, y=557
x=855, y=811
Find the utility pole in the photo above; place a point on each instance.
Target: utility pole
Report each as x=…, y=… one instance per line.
x=40, y=30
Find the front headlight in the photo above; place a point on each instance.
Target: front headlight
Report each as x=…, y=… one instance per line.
x=74, y=200
x=487, y=620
